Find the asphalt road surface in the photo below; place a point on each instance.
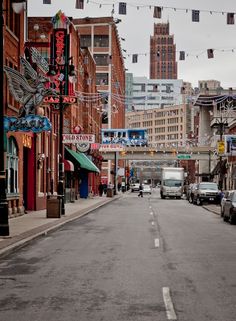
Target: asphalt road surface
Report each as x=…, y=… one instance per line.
x=142, y=259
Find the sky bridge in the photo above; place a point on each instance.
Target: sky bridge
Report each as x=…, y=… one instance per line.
x=149, y=153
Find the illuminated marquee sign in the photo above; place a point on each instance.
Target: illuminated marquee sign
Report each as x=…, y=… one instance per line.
x=30, y=123
x=56, y=100
x=58, y=55
x=78, y=138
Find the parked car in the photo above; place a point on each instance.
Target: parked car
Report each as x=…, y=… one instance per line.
x=223, y=200
x=147, y=189
x=229, y=210
x=206, y=192
x=135, y=187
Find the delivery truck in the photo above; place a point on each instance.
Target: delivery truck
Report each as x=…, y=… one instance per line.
x=172, y=182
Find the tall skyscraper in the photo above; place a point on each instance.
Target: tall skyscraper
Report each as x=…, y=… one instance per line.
x=163, y=63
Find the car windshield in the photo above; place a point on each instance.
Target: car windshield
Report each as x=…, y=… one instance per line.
x=171, y=183
x=208, y=186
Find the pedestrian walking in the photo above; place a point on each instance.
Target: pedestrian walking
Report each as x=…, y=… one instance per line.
x=100, y=189
x=140, y=190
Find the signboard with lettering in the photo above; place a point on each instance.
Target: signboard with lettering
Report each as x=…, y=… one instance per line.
x=78, y=138
x=30, y=123
x=56, y=100
x=183, y=156
x=221, y=147
x=111, y=148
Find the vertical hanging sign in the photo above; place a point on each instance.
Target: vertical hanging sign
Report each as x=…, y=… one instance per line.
x=60, y=51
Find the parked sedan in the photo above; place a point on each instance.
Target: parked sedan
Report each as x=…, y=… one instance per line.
x=229, y=211
x=223, y=201
x=147, y=189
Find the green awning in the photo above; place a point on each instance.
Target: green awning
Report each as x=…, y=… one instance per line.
x=83, y=160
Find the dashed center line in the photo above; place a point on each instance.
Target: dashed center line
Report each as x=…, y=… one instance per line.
x=153, y=223
x=151, y=213
x=170, y=312
x=157, y=242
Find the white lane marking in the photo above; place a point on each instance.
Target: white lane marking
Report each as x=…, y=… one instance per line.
x=157, y=242
x=153, y=223
x=151, y=213
x=150, y=207
x=170, y=312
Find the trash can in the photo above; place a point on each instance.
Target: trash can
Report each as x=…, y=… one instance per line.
x=54, y=207
x=110, y=192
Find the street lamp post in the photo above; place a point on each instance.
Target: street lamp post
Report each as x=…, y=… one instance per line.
x=61, y=154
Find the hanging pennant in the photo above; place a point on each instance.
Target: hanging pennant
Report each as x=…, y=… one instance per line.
x=230, y=18
x=79, y=4
x=157, y=12
x=182, y=55
x=195, y=15
x=122, y=7
x=210, y=53
x=134, y=58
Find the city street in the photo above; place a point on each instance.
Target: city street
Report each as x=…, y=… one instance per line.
x=141, y=259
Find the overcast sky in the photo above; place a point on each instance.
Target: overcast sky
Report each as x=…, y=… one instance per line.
x=212, y=32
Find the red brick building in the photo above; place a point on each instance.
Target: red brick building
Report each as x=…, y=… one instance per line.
x=101, y=37
x=17, y=144
x=163, y=63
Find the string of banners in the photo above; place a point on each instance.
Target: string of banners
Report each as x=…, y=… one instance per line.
x=157, y=10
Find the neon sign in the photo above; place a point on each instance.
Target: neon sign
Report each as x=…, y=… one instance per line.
x=30, y=123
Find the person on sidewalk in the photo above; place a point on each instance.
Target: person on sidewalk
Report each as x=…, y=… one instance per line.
x=140, y=190
x=100, y=189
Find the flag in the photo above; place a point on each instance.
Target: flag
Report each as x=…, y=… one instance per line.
x=210, y=53
x=122, y=7
x=182, y=55
x=46, y=1
x=79, y=4
x=157, y=12
x=230, y=18
x=195, y=15
x=135, y=58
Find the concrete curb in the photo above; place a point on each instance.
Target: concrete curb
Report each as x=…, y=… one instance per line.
x=23, y=239
x=211, y=210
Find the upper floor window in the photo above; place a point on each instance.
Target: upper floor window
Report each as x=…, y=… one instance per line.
x=85, y=41
x=12, y=20
x=101, y=41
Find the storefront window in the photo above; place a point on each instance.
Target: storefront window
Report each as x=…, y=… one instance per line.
x=12, y=167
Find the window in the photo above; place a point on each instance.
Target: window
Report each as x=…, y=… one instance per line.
x=101, y=41
x=101, y=60
x=13, y=20
x=102, y=79
x=85, y=41
x=12, y=166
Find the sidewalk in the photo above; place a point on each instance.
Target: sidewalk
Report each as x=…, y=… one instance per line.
x=212, y=208
x=29, y=226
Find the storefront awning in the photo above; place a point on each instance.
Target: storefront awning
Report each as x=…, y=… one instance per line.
x=68, y=166
x=83, y=160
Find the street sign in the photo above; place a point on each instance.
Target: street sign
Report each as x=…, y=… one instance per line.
x=78, y=138
x=221, y=147
x=184, y=156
